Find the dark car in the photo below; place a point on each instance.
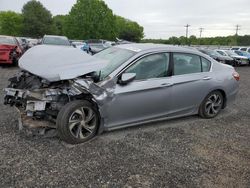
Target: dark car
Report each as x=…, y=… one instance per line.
x=218, y=57
x=10, y=50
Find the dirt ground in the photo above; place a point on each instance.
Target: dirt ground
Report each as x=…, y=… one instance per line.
x=187, y=152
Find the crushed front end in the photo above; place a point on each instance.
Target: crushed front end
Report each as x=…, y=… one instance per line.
x=39, y=101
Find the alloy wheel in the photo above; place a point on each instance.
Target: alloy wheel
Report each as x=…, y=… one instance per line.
x=213, y=104
x=82, y=122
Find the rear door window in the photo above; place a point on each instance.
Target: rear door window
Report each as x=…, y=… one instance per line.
x=186, y=63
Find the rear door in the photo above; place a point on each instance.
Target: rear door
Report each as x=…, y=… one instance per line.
x=192, y=80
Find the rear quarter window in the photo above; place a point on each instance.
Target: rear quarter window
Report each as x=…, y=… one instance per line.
x=206, y=64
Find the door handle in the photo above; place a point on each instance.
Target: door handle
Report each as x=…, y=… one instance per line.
x=207, y=78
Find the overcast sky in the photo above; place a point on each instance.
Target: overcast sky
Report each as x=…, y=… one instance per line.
x=165, y=18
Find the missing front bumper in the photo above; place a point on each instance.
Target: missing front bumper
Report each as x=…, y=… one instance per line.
x=35, y=127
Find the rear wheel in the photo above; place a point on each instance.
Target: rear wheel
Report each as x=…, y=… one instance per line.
x=77, y=122
x=212, y=105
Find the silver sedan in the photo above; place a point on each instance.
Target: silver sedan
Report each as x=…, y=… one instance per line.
x=139, y=83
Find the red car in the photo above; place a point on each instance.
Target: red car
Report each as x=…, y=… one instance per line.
x=10, y=50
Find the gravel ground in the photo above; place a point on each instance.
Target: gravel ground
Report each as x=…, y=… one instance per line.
x=188, y=152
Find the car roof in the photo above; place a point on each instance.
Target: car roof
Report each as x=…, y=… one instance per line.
x=140, y=47
x=7, y=36
x=55, y=36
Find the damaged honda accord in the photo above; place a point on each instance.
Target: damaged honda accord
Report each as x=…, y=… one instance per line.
x=79, y=96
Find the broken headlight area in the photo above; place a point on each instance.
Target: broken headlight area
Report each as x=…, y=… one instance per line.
x=40, y=101
x=42, y=104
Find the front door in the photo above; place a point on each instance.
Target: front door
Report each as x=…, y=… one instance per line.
x=145, y=98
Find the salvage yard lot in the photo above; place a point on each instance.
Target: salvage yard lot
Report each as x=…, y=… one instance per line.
x=188, y=152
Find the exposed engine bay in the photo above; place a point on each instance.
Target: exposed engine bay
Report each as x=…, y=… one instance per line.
x=39, y=101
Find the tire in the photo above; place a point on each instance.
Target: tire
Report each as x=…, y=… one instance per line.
x=77, y=122
x=211, y=105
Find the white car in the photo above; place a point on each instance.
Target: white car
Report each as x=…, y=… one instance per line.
x=246, y=49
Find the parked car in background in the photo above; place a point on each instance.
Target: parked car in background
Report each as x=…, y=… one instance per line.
x=246, y=49
x=10, y=50
x=96, y=45
x=23, y=43
x=243, y=53
x=55, y=40
x=121, y=86
x=86, y=47
x=77, y=44
x=218, y=57
x=235, y=48
x=32, y=42
x=240, y=60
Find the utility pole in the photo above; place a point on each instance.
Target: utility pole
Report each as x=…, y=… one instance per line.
x=237, y=29
x=187, y=26
x=236, y=35
x=201, y=30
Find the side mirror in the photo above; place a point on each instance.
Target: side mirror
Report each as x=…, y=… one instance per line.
x=126, y=78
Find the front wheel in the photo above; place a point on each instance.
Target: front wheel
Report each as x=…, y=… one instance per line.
x=77, y=122
x=212, y=105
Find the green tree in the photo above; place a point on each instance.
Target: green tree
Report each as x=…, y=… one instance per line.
x=90, y=19
x=59, y=23
x=193, y=40
x=128, y=30
x=11, y=23
x=37, y=20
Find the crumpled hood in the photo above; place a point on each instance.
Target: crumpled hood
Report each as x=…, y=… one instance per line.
x=55, y=63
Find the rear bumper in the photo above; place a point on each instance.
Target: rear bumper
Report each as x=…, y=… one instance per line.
x=8, y=61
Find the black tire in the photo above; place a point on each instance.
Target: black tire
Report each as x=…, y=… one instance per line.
x=211, y=106
x=71, y=113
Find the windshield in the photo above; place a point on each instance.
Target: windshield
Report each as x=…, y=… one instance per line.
x=56, y=41
x=7, y=40
x=231, y=53
x=116, y=57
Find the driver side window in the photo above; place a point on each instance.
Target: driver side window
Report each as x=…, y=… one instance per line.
x=152, y=66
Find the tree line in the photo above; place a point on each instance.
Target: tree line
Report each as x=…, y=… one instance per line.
x=193, y=40
x=88, y=19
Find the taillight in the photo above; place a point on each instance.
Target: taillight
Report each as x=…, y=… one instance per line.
x=236, y=75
